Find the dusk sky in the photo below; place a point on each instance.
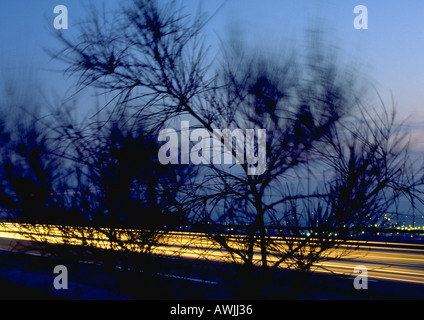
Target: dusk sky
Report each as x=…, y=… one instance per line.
x=390, y=51
x=309, y=203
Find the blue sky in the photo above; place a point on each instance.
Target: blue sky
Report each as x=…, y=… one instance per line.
x=390, y=52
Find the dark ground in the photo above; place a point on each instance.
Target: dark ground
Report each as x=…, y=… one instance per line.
x=29, y=277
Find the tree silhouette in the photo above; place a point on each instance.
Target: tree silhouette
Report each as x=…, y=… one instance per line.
x=330, y=168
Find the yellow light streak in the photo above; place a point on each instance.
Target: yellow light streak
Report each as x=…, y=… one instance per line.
x=385, y=261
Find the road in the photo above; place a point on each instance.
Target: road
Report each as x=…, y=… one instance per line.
x=383, y=260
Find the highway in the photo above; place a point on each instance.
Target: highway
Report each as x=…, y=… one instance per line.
x=384, y=260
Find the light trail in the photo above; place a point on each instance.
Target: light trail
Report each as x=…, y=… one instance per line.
x=384, y=260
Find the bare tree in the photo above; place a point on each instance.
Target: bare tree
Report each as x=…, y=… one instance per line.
x=365, y=171
x=97, y=186
x=152, y=61
x=325, y=174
